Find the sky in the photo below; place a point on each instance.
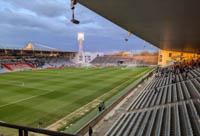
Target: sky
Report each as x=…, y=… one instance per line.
x=48, y=22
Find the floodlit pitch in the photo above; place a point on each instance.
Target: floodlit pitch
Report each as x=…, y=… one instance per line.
x=49, y=95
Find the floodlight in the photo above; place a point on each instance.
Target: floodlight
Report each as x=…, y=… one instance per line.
x=75, y=21
x=81, y=36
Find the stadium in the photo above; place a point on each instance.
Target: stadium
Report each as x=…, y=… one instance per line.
x=47, y=91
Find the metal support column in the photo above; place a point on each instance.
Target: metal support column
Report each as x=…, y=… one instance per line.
x=20, y=132
x=25, y=133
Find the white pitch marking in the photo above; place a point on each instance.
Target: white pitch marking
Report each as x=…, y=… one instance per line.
x=23, y=86
x=26, y=99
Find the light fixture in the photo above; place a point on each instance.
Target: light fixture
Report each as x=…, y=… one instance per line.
x=73, y=20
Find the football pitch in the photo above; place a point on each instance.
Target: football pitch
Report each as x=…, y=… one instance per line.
x=49, y=95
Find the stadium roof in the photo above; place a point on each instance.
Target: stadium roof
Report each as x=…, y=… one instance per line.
x=34, y=47
x=169, y=24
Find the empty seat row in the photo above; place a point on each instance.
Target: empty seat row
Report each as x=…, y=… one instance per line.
x=162, y=81
x=172, y=120
x=168, y=94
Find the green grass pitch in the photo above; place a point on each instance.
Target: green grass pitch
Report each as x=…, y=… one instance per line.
x=48, y=95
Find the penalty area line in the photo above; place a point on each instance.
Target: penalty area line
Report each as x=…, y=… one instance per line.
x=24, y=86
x=35, y=96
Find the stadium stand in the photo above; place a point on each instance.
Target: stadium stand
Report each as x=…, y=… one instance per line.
x=27, y=63
x=24, y=59
x=167, y=106
x=113, y=60
x=57, y=62
x=19, y=66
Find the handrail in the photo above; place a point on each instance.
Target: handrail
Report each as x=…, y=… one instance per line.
x=23, y=130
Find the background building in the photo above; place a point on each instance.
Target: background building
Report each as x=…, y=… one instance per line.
x=169, y=57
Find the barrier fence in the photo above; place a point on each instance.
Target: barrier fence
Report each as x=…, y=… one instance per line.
x=25, y=131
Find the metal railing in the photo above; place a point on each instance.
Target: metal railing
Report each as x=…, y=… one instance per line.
x=24, y=131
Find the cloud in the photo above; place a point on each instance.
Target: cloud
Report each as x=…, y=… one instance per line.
x=49, y=8
x=19, y=28
x=48, y=22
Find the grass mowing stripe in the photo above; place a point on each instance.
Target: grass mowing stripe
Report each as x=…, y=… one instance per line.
x=74, y=88
x=23, y=86
x=96, y=100
x=30, y=76
x=110, y=98
x=1, y=106
x=71, y=79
